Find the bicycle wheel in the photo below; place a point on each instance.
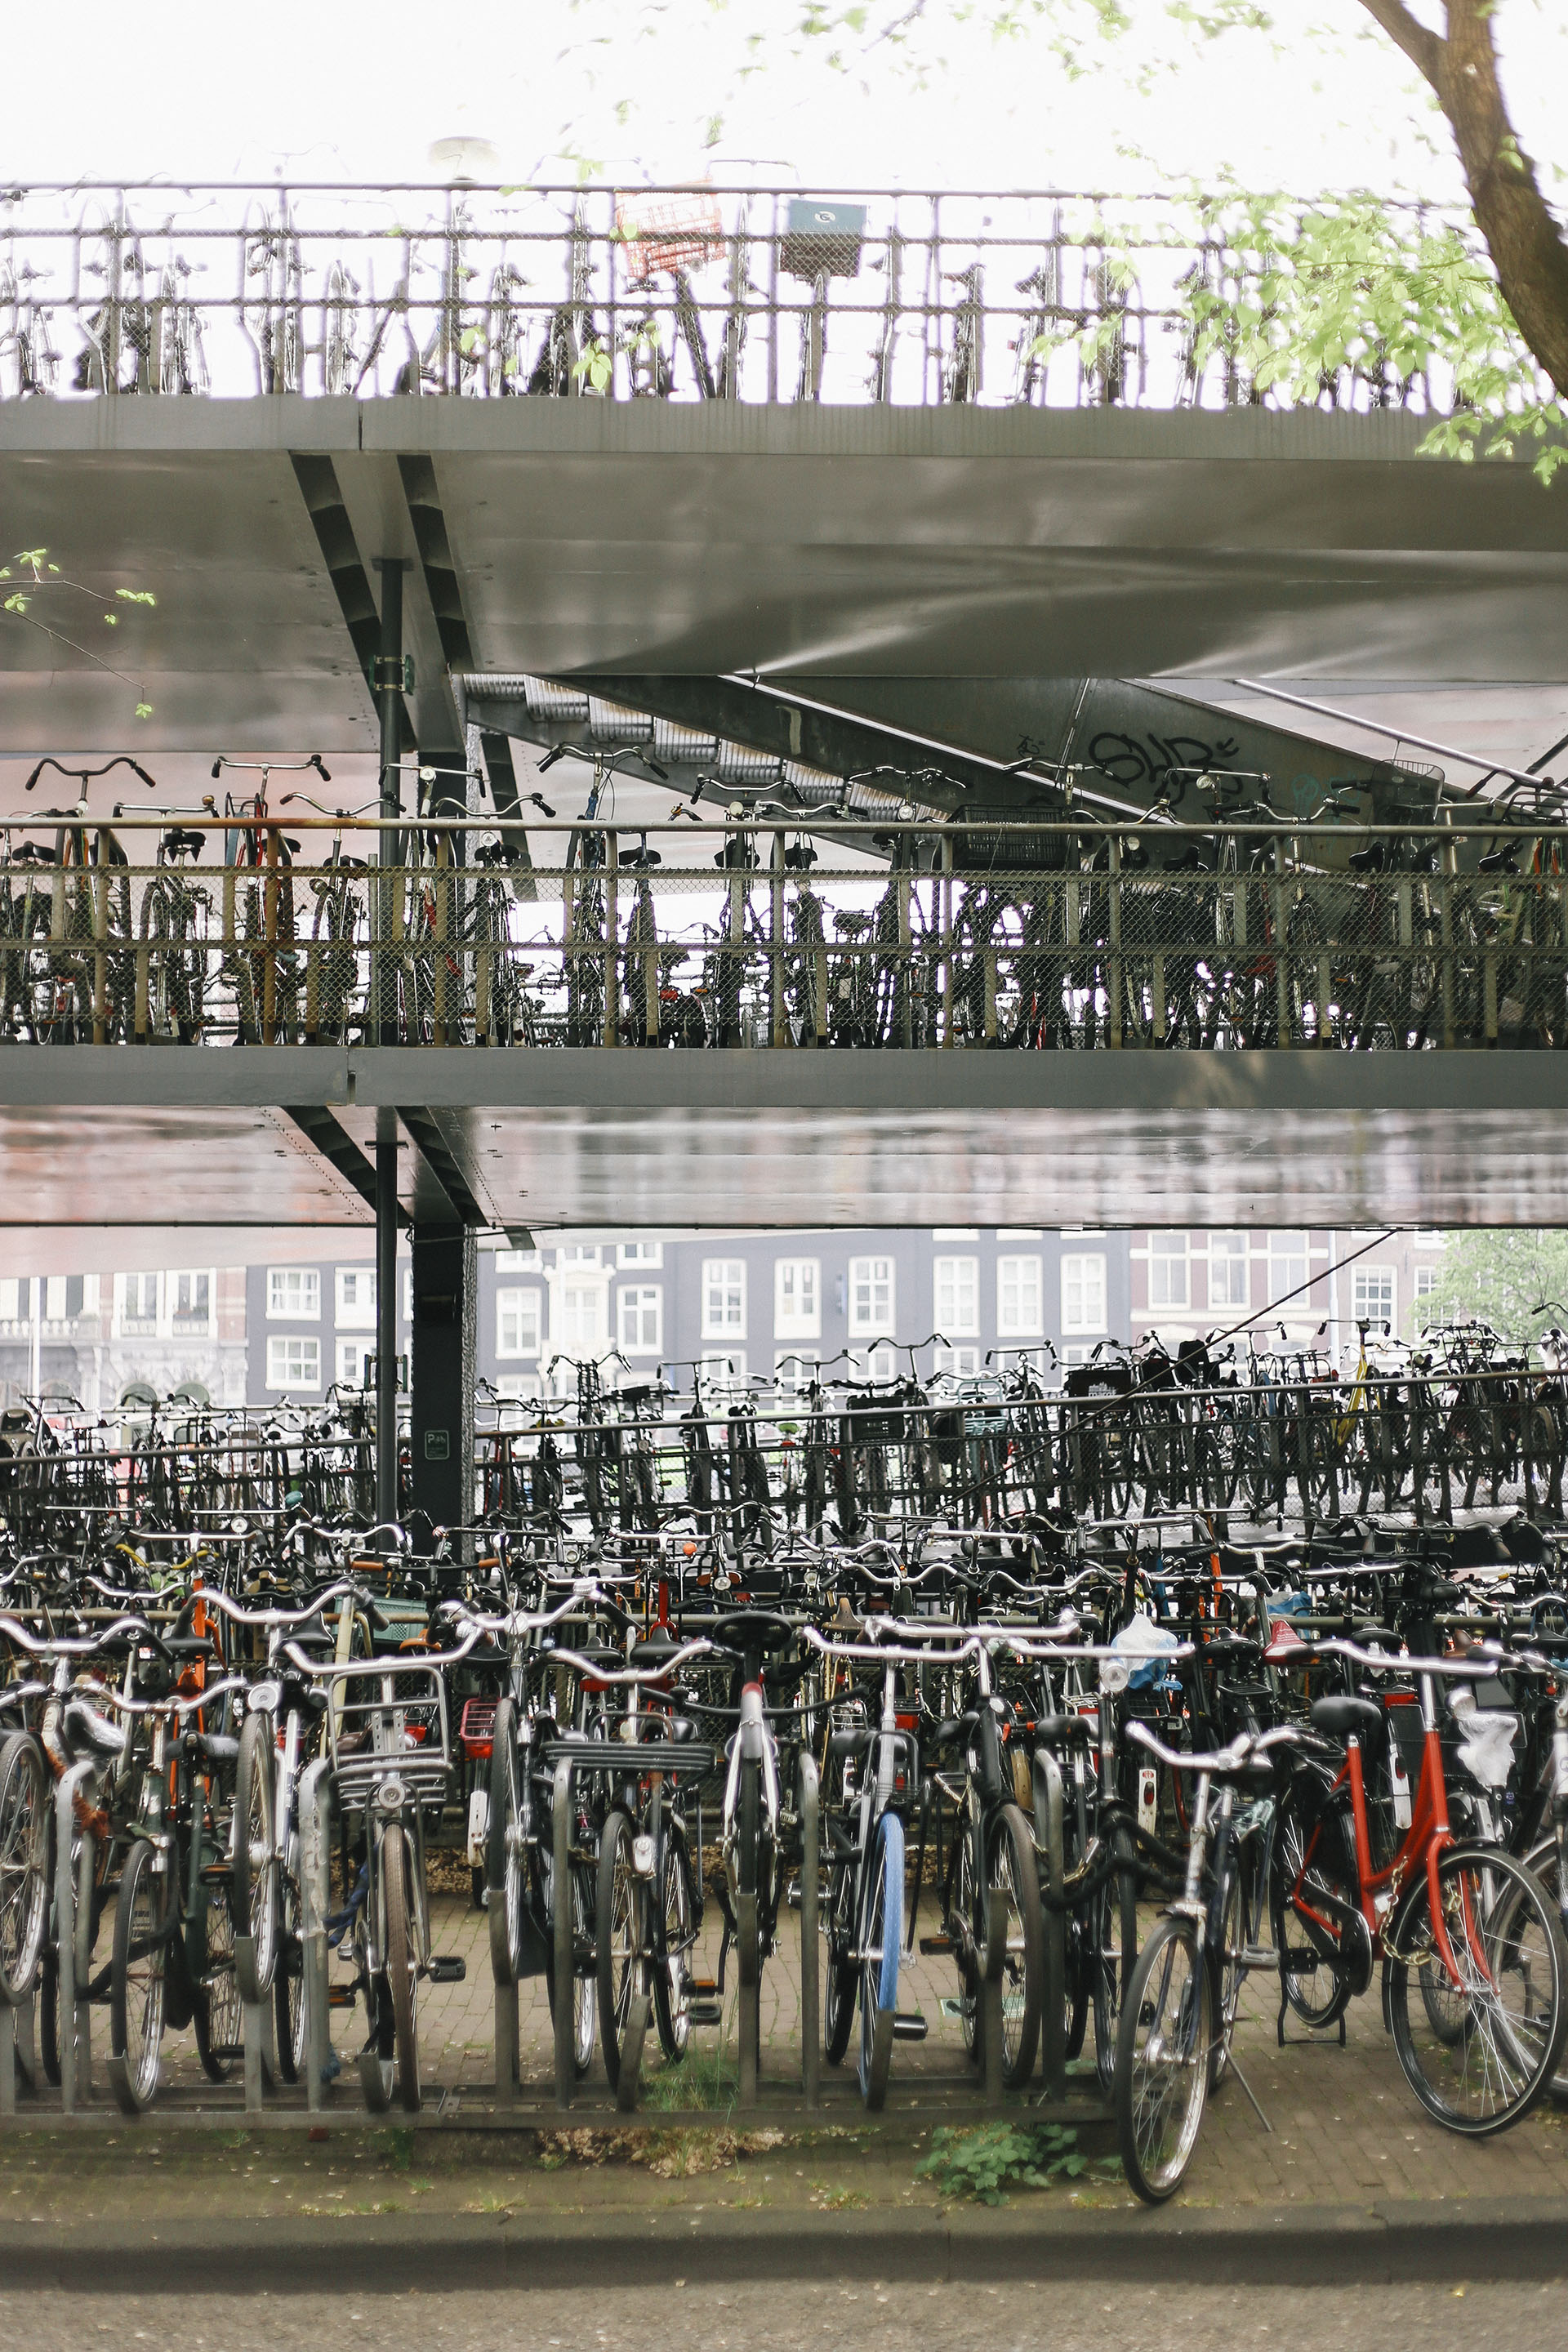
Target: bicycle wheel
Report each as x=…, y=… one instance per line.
x=748, y=1911
x=672, y=1978
x=219, y=2014
x=288, y=1983
x=402, y=1982
x=843, y=1979
x=584, y=1980
x=884, y=1936
x=1543, y=1860
x=1013, y=1879
x=137, y=1975
x=618, y=1937
x=255, y=1891
x=23, y=1864
x=505, y=1857
x=1311, y=1882
x=1113, y=1916
x=1509, y=1968
x=1163, y=2059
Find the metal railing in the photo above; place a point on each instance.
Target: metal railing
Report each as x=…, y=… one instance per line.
x=1053, y=299
x=1077, y=936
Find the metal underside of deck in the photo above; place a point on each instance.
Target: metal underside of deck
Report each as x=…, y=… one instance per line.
x=157, y=1136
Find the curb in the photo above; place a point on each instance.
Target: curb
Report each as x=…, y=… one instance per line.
x=1439, y=2241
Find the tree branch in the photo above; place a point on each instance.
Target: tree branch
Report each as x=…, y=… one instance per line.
x=1424, y=49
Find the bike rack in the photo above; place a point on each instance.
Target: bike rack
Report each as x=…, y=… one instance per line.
x=18, y=2051
x=75, y=2018
x=261, y=2058
x=1048, y=1844
x=316, y=1786
x=506, y=2033
x=991, y=2000
x=810, y=1887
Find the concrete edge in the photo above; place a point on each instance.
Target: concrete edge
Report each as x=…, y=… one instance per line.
x=1033, y=2240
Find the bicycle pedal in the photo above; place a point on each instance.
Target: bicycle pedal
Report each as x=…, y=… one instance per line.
x=704, y=1988
x=933, y=1948
x=340, y=1997
x=451, y=1970
x=706, y=2013
x=1258, y=1956
x=908, y=2025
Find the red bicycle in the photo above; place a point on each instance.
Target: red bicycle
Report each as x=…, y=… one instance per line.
x=1474, y=1965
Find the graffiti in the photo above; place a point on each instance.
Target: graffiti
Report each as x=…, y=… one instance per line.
x=1129, y=759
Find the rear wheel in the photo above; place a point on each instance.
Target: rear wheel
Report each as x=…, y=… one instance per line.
x=1311, y=1882
x=618, y=1920
x=884, y=1936
x=672, y=1978
x=137, y=1978
x=1509, y=1969
x=1012, y=1881
x=402, y=1982
x=23, y=1864
x=288, y=1983
x=1162, y=2060
x=254, y=1895
x=219, y=2015
x=505, y=1858
x=839, y=2001
x=1114, y=1949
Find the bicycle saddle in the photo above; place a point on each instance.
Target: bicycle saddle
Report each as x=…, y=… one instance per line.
x=88, y=1733
x=1344, y=1717
x=1065, y=1730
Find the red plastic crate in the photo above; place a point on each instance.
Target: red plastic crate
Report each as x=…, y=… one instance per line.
x=477, y=1727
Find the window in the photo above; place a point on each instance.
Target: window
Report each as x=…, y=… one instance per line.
x=639, y=1253
x=723, y=1298
x=582, y=1311
x=1018, y=1295
x=642, y=1319
x=955, y=1233
x=955, y=1363
x=1287, y=1266
x=1428, y=1237
x=138, y=1305
x=1228, y=1270
x=293, y=1361
x=10, y=1301
x=353, y=1362
x=1019, y=1233
x=192, y=1311
x=578, y=1254
x=1168, y=1272
x=1083, y=1291
x=875, y=1366
x=955, y=1282
x=54, y=1304
x=1372, y=1295
x=872, y=1295
x=357, y=1297
x=519, y=1388
x=723, y=1375
x=519, y=1322
x=519, y=1262
x=797, y=1299
x=294, y=1294
x=1426, y=1281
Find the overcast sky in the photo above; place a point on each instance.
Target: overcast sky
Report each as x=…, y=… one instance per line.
x=315, y=90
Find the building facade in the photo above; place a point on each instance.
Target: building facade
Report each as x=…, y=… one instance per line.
x=93, y=1337
x=1284, y=1289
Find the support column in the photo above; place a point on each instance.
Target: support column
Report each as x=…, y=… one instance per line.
x=446, y=1319
x=386, y=1318
x=388, y=680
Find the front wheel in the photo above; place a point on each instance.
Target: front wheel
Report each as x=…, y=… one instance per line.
x=137, y=1977
x=219, y=2015
x=1012, y=1879
x=1507, y=1964
x=618, y=1921
x=23, y=1864
x=672, y=1977
x=255, y=1875
x=884, y=1936
x=1163, y=2059
x=402, y=1982
x=1113, y=1916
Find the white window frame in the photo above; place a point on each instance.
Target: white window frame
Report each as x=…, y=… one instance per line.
x=512, y=1261
x=355, y=1314
x=797, y=1299
x=956, y=1297
x=298, y=1381
x=1388, y=1278
x=955, y=1363
x=874, y=1366
x=515, y=1302
x=723, y=1375
x=1023, y=1317
x=723, y=1298
x=1426, y=1281
x=519, y=1388
x=1229, y=1259
x=1172, y=1254
x=572, y=1291
x=637, y=1300
x=353, y=1357
x=873, y=1296
x=578, y=1256
x=137, y=1325
x=1284, y=1253
x=795, y=1370
x=1085, y=1270
x=639, y=1253
x=279, y=1281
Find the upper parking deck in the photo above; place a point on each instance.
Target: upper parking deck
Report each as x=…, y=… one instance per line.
x=757, y=294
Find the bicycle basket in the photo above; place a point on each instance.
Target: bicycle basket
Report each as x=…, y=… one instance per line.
x=389, y=1719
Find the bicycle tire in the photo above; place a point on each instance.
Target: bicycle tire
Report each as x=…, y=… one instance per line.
x=504, y=1856
x=402, y=1982
x=672, y=1977
x=1114, y=1950
x=1543, y=1860
x=218, y=2016
x=1310, y=1850
x=884, y=1936
x=748, y=1911
x=1012, y=1868
x=254, y=1864
x=137, y=1978
x=843, y=1979
x=1506, y=1937
x=23, y=1864
x=1163, y=2059
x=618, y=1923
x=289, y=1984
